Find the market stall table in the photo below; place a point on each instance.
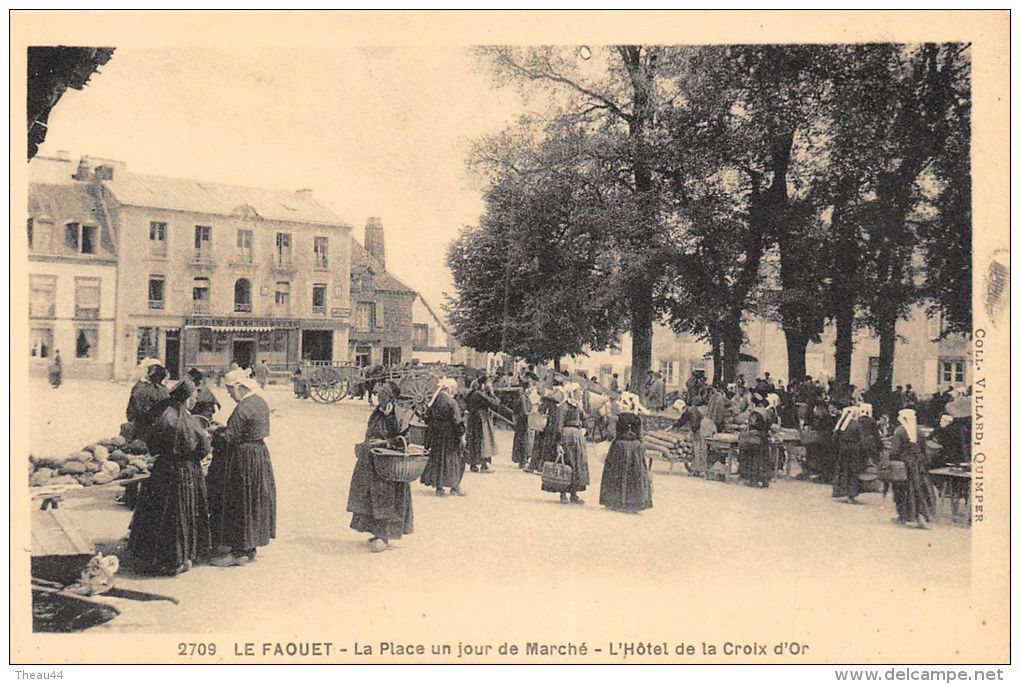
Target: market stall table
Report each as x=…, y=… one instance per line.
x=723, y=449
x=953, y=485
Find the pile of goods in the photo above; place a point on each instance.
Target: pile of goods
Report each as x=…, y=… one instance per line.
x=670, y=446
x=97, y=464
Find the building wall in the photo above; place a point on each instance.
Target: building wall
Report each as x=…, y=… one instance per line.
x=393, y=323
x=439, y=346
x=64, y=325
x=223, y=268
x=916, y=362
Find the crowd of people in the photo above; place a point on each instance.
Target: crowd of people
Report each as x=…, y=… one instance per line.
x=211, y=494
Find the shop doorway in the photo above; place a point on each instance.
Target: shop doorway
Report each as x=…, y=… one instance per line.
x=173, y=354
x=317, y=345
x=244, y=353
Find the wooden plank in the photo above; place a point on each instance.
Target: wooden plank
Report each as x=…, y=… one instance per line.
x=53, y=534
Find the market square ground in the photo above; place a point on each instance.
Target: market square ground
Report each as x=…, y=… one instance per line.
x=710, y=561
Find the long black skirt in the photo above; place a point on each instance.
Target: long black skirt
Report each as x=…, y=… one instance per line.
x=379, y=507
x=242, y=497
x=626, y=482
x=170, y=524
x=445, y=467
x=848, y=467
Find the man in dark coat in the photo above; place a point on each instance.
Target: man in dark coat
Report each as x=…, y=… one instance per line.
x=145, y=396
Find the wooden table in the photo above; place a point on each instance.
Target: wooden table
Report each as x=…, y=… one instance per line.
x=726, y=449
x=952, y=484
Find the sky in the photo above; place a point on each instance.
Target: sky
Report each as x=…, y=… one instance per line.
x=374, y=131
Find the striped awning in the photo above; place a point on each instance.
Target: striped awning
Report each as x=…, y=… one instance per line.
x=236, y=328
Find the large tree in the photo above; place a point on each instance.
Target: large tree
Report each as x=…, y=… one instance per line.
x=613, y=91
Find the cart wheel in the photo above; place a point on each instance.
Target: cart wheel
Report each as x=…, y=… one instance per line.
x=324, y=382
x=343, y=388
x=418, y=389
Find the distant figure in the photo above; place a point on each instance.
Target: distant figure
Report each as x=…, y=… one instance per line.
x=300, y=385
x=614, y=384
x=56, y=370
x=262, y=373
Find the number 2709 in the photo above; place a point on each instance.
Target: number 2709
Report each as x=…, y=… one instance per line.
x=192, y=648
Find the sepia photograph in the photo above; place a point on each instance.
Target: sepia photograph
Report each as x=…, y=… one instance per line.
x=510, y=337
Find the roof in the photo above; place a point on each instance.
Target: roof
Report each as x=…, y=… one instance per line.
x=63, y=203
x=179, y=194
x=362, y=260
x=440, y=321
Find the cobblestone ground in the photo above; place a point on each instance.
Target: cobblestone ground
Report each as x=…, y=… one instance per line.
x=710, y=561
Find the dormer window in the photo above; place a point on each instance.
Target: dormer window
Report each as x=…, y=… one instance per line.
x=80, y=239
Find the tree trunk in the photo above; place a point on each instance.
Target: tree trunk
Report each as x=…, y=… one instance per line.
x=844, y=339
x=556, y=364
x=733, y=337
x=640, y=333
x=796, y=354
x=715, y=339
x=886, y=349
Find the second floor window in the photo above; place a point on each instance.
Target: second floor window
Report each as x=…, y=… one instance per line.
x=283, y=295
x=42, y=297
x=203, y=243
x=157, y=292
x=283, y=250
x=200, y=295
x=420, y=335
x=319, y=298
x=244, y=249
x=86, y=297
x=157, y=239
x=321, y=252
x=364, y=316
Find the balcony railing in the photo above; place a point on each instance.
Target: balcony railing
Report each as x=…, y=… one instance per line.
x=42, y=311
x=242, y=307
x=200, y=306
x=89, y=313
x=283, y=262
x=318, y=310
x=321, y=262
x=202, y=256
x=156, y=303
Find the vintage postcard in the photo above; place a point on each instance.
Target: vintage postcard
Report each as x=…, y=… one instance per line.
x=510, y=337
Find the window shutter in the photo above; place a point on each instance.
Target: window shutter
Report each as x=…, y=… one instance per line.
x=380, y=321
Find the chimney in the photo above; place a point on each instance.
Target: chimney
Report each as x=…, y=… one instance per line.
x=82, y=174
x=104, y=172
x=375, y=241
x=304, y=194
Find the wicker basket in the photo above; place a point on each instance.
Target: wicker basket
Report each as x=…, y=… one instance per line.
x=400, y=466
x=537, y=421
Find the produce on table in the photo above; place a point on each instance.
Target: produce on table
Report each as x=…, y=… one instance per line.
x=668, y=445
x=96, y=464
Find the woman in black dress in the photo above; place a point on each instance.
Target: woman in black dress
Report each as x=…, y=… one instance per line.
x=571, y=440
x=170, y=526
x=443, y=435
x=626, y=482
x=380, y=507
x=523, y=435
x=914, y=496
x=850, y=461
x=480, y=436
x=242, y=487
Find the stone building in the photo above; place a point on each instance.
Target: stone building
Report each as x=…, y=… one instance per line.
x=72, y=273
x=212, y=274
x=431, y=340
x=381, y=305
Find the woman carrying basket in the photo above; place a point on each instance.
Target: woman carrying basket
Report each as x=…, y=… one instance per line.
x=380, y=507
x=572, y=442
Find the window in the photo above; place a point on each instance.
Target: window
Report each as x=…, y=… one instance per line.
x=80, y=239
x=282, y=296
x=39, y=235
x=157, y=239
x=203, y=243
x=148, y=343
x=242, y=295
x=86, y=297
x=364, y=318
x=319, y=298
x=391, y=356
x=206, y=340
x=283, y=250
x=157, y=291
x=668, y=370
x=88, y=239
x=41, y=343
x=200, y=295
x=244, y=248
x=321, y=252
x=362, y=355
x=30, y=233
x=42, y=298
x=420, y=335
x=951, y=371
x=85, y=342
